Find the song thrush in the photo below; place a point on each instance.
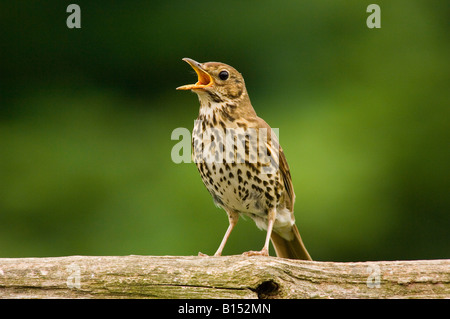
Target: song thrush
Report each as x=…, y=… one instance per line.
x=240, y=160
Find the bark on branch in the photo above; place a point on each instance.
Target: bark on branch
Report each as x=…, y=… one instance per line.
x=219, y=277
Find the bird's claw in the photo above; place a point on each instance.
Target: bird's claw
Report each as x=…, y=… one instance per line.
x=200, y=254
x=263, y=252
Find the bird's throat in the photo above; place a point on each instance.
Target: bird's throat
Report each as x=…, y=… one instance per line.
x=210, y=110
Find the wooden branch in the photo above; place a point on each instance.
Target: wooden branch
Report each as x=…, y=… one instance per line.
x=219, y=277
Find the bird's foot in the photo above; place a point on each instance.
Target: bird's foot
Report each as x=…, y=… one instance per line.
x=200, y=254
x=262, y=252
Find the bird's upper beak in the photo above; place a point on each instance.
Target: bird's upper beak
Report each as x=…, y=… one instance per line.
x=204, y=79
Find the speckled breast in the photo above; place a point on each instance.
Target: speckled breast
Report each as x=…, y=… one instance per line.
x=235, y=169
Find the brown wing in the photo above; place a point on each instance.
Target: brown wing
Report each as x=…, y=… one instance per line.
x=285, y=174
x=287, y=180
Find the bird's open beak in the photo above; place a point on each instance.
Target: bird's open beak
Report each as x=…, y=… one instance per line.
x=204, y=79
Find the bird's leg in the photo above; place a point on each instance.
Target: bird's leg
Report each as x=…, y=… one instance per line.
x=265, y=251
x=233, y=218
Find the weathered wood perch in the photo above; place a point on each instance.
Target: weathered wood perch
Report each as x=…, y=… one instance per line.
x=219, y=277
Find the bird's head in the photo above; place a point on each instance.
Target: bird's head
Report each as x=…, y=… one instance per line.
x=217, y=82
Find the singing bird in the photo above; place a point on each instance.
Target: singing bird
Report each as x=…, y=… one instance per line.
x=240, y=161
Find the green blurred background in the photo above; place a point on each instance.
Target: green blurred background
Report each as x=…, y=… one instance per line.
x=86, y=117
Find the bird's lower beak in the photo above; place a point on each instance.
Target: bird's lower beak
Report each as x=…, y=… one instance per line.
x=204, y=79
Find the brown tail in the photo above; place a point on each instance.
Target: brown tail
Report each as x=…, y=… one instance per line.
x=293, y=249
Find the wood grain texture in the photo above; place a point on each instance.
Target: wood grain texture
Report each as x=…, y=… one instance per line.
x=174, y=277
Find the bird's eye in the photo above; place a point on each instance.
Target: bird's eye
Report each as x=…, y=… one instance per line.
x=223, y=75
